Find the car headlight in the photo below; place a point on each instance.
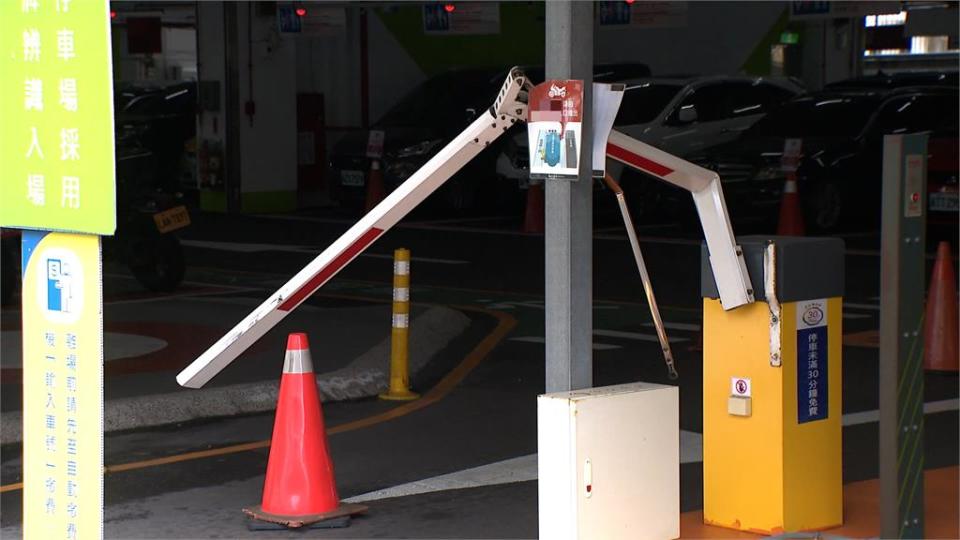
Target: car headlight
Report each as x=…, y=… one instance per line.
x=418, y=149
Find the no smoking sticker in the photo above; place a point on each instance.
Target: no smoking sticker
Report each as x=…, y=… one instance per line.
x=740, y=386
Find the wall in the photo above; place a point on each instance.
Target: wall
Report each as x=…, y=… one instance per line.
x=267, y=141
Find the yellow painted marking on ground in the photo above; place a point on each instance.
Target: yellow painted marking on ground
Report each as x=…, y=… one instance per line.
x=505, y=324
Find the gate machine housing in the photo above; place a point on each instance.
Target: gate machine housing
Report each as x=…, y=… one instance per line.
x=726, y=258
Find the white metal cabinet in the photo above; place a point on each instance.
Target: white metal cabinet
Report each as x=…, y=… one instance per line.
x=609, y=463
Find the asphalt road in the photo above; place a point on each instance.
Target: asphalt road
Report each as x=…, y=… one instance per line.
x=486, y=267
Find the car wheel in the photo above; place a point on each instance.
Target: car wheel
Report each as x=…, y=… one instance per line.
x=824, y=207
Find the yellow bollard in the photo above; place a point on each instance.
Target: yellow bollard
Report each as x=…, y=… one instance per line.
x=399, y=334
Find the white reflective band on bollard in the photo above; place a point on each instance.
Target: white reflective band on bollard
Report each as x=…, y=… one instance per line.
x=401, y=320
x=401, y=294
x=401, y=268
x=297, y=361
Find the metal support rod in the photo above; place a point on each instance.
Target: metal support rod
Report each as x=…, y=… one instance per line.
x=644, y=276
x=568, y=238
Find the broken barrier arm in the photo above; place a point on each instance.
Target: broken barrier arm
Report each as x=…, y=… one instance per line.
x=508, y=108
x=726, y=257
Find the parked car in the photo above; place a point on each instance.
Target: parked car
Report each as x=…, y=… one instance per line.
x=840, y=167
x=424, y=121
x=680, y=115
x=160, y=118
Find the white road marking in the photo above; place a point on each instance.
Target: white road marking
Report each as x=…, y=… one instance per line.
x=866, y=417
x=524, y=468
x=633, y=335
x=689, y=327
x=242, y=247
x=509, y=471
x=540, y=340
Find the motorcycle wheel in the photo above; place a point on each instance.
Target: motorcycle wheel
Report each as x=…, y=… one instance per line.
x=8, y=274
x=158, y=263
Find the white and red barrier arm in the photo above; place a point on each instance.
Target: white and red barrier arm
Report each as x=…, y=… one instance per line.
x=509, y=108
x=726, y=257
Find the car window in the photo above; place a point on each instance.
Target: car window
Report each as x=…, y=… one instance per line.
x=817, y=116
x=914, y=113
x=642, y=103
x=710, y=102
x=746, y=99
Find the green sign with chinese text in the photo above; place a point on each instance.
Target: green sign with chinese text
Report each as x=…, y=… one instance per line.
x=56, y=106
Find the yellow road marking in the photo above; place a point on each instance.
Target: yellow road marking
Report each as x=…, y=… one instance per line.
x=505, y=323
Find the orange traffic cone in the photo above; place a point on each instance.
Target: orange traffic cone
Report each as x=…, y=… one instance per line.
x=299, y=488
x=940, y=324
x=791, y=215
x=533, y=217
x=375, y=190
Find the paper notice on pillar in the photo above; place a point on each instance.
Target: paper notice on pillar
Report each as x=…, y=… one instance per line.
x=792, y=150
x=606, y=104
x=554, y=127
x=375, y=143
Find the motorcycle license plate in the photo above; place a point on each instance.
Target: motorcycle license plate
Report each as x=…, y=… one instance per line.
x=172, y=219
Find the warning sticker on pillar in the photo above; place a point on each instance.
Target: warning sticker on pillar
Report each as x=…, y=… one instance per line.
x=812, y=379
x=554, y=128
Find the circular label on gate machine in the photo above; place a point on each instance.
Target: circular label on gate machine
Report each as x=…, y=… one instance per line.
x=813, y=315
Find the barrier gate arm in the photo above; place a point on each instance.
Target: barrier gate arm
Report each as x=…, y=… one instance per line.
x=726, y=257
x=508, y=108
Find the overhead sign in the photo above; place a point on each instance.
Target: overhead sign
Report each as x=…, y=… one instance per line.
x=62, y=386
x=812, y=359
x=465, y=18
x=56, y=106
x=554, y=129
x=618, y=13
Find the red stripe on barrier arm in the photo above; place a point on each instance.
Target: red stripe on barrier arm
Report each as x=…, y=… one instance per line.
x=335, y=265
x=637, y=161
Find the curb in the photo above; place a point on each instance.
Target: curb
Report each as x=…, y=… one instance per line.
x=367, y=375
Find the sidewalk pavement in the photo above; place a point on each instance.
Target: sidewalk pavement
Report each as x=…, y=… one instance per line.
x=142, y=358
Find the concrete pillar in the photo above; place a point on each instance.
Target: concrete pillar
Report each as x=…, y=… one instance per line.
x=569, y=213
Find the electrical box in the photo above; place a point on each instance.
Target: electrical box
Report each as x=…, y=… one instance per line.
x=609, y=463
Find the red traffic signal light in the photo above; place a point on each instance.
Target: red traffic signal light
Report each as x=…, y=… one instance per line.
x=449, y=8
x=300, y=12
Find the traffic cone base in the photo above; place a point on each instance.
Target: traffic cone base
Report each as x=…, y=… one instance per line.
x=399, y=395
x=295, y=522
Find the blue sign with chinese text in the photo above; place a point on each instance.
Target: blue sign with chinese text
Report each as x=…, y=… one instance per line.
x=812, y=379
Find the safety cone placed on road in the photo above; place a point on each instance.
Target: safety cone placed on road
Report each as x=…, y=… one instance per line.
x=375, y=189
x=940, y=323
x=533, y=216
x=299, y=489
x=791, y=214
